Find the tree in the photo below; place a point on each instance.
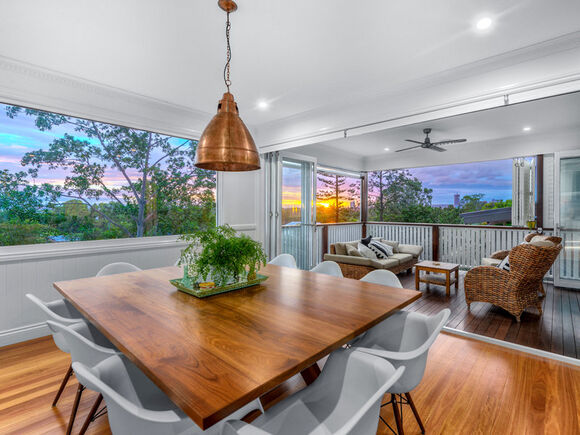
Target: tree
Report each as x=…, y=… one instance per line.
x=396, y=190
x=152, y=167
x=21, y=201
x=472, y=202
x=335, y=189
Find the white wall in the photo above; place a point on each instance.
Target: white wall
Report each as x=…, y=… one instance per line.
x=34, y=268
x=241, y=202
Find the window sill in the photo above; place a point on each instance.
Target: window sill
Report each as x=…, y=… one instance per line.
x=68, y=249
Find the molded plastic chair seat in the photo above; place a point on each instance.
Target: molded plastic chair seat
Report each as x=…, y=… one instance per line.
x=344, y=399
x=328, y=268
x=115, y=268
x=404, y=339
x=285, y=260
x=136, y=405
x=383, y=277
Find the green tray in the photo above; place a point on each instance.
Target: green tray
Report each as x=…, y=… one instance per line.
x=205, y=292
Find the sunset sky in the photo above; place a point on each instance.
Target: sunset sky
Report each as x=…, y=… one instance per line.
x=494, y=179
x=19, y=136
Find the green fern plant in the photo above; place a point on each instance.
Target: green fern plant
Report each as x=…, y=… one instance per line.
x=222, y=255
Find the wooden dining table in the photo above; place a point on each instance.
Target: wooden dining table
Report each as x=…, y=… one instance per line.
x=213, y=355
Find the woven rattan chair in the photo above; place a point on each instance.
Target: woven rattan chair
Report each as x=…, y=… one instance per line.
x=517, y=289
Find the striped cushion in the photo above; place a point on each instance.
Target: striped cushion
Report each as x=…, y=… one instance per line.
x=381, y=250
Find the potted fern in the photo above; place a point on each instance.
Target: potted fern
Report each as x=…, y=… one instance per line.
x=218, y=260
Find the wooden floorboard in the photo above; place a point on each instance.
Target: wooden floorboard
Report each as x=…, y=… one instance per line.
x=557, y=330
x=469, y=387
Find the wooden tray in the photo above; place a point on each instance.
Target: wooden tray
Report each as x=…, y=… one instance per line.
x=205, y=292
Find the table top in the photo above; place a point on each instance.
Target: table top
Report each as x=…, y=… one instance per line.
x=437, y=265
x=213, y=355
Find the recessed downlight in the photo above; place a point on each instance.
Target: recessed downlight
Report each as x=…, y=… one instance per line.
x=387, y=149
x=483, y=24
x=263, y=105
x=527, y=128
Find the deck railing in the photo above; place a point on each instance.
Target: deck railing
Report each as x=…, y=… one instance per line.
x=466, y=245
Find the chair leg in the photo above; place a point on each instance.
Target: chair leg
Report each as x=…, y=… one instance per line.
x=63, y=383
x=397, y=414
x=91, y=414
x=74, y=410
x=412, y=404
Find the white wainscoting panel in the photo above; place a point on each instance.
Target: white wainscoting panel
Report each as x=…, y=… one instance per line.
x=21, y=274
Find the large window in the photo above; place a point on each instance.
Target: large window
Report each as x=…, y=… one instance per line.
x=68, y=179
x=456, y=194
x=337, y=196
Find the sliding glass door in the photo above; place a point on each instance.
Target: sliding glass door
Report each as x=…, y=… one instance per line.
x=567, y=219
x=298, y=208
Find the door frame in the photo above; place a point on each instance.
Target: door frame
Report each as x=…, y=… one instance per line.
x=312, y=194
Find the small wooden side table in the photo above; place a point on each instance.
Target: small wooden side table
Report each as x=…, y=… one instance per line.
x=438, y=268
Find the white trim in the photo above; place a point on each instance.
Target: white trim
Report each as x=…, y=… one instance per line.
x=67, y=249
x=514, y=346
x=23, y=333
x=245, y=227
x=30, y=85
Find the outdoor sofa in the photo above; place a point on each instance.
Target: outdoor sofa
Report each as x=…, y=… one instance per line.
x=404, y=258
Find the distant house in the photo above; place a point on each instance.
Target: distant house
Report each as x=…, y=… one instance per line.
x=492, y=216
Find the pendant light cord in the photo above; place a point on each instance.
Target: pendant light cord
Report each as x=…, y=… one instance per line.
x=227, y=80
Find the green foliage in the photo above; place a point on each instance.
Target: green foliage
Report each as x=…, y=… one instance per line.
x=497, y=204
x=163, y=192
x=220, y=254
x=24, y=233
x=400, y=196
x=153, y=168
x=473, y=202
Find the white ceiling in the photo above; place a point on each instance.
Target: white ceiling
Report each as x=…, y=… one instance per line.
x=549, y=117
x=300, y=56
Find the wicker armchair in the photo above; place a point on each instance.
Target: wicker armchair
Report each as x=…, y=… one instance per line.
x=517, y=289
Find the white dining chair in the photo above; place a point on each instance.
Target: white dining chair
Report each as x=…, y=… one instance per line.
x=344, y=399
x=135, y=405
x=328, y=268
x=115, y=268
x=61, y=311
x=404, y=339
x=383, y=277
x=88, y=346
x=285, y=260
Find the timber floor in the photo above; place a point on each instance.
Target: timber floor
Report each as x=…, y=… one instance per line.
x=557, y=330
x=469, y=387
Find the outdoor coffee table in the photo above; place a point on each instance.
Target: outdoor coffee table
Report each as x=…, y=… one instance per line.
x=438, y=268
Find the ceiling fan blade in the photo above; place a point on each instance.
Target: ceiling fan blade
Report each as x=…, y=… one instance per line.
x=414, y=141
x=449, y=141
x=436, y=148
x=410, y=148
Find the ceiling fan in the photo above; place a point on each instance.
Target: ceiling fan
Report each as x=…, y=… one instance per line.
x=431, y=145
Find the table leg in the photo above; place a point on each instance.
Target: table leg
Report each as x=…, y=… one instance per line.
x=456, y=280
x=447, y=283
x=310, y=374
x=417, y=278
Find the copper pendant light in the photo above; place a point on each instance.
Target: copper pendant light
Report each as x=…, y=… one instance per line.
x=226, y=144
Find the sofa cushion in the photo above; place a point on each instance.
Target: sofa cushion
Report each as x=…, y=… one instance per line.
x=380, y=249
x=393, y=244
x=490, y=262
x=403, y=258
x=361, y=261
x=386, y=263
x=352, y=251
x=541, y=243
x=414, y=250
x=505, y=264
x=340, y=248
x=366, y=251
